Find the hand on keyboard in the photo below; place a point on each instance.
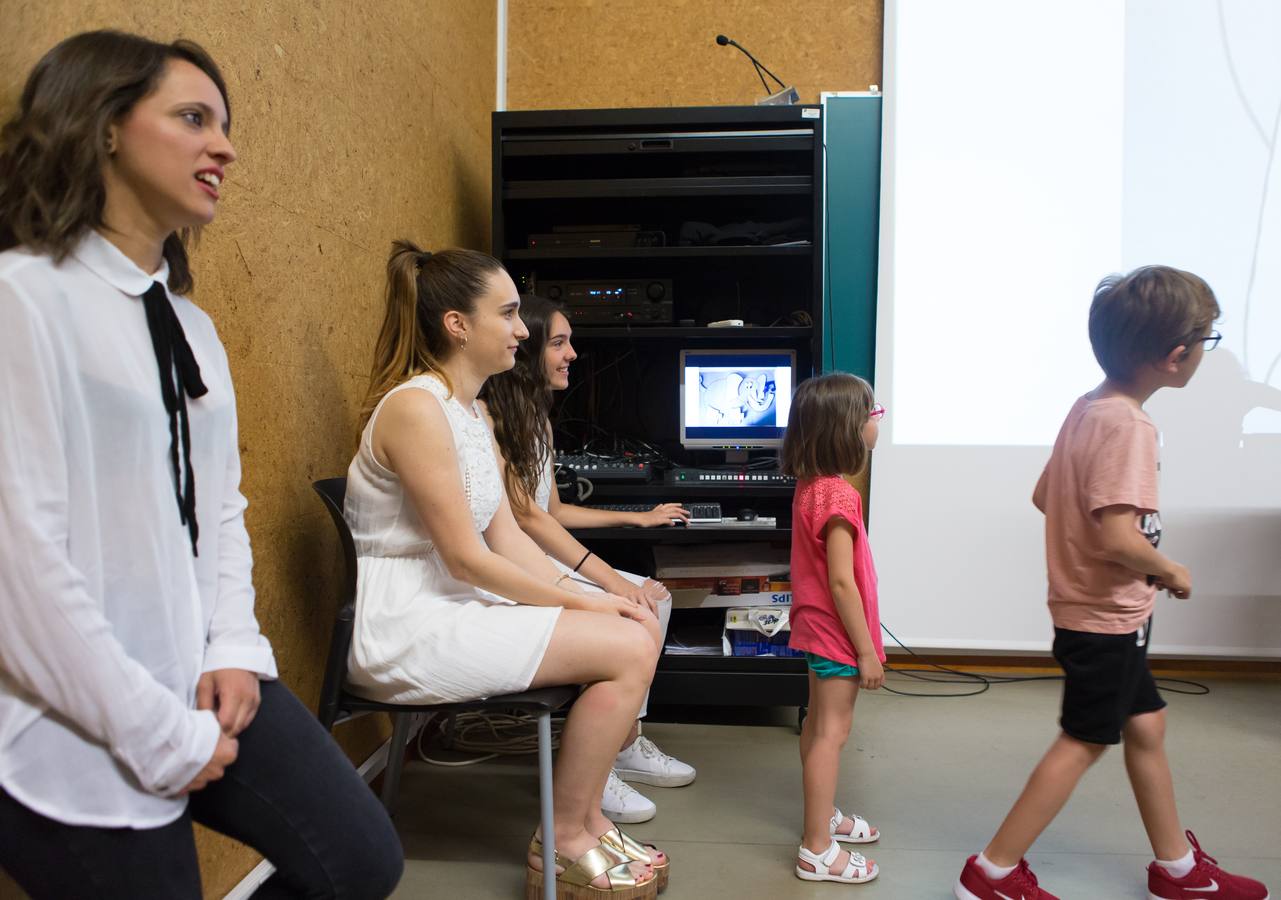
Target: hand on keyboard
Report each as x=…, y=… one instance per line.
x=666, y=514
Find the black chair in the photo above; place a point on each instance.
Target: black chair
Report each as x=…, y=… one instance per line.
x=338, y=703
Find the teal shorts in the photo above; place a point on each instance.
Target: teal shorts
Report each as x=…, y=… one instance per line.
x=828, y=668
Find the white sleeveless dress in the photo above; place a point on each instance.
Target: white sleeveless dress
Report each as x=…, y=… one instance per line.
x=543, y=496
x=421, y=635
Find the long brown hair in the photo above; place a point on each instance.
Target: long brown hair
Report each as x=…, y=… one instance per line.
x=825, y=427
x=421, y=288
x=519, y=402
x=53, y=150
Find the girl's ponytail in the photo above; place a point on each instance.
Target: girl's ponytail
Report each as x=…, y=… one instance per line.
x=421, y=288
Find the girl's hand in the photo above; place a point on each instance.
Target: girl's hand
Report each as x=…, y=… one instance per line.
x=656, y=591
x=648, y=593
x=663, y=514
x=871, y=674
x=620, y=606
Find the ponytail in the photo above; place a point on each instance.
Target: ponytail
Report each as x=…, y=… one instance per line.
x=421, y=288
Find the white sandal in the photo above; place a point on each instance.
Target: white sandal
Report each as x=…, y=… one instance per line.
x=856, y=871
x=862, y=833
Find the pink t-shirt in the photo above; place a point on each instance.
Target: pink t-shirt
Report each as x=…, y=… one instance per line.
x=1105, y=455
x=816, y=626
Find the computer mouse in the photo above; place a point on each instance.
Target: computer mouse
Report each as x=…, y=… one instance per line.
x=747, y=515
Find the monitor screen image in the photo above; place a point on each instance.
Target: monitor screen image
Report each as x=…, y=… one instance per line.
x=735, y=398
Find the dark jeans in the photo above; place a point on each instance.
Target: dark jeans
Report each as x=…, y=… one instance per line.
x=291, y=795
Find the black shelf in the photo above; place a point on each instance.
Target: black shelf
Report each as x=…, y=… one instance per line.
x=680, y=534
x=656, y=170
x=656, y=489
x=730, y=681
x=707, y=186
x=687, y=333
x=671, y=662
x=661, y=252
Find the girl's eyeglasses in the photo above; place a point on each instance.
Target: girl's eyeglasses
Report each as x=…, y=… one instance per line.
x=876, y=413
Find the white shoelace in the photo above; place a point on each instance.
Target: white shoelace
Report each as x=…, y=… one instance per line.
x=650, y=750
x=619, y=788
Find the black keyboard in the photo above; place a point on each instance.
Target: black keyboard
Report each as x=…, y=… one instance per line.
x=700, y=513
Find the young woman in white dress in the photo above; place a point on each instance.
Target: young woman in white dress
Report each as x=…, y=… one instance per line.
x=454, y=601
x=519, y=402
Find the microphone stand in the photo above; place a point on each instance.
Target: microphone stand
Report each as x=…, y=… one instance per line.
x=785, y=96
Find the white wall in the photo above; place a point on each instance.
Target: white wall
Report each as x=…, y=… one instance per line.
x=1030, y=150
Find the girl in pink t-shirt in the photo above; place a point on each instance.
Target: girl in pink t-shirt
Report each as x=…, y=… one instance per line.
x=831, y=430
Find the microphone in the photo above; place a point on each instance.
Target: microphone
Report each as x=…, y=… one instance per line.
x=785, y=95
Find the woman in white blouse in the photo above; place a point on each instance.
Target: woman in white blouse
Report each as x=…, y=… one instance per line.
x=137, y=693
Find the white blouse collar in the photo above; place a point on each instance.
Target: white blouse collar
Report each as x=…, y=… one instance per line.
x=105, y=260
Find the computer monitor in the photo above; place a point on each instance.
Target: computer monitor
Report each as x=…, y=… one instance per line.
x=735, y=400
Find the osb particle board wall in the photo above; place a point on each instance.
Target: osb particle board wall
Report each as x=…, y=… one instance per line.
x=353, y=127
x=575, y=54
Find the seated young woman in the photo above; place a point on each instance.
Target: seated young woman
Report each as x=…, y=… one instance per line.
x=454, y=601
x=519, y=401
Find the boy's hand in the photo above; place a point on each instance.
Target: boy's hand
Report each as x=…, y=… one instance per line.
x=1178, y=581
x=871, y=674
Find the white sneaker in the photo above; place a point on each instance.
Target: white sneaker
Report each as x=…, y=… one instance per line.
x=644, y=762
x=624, y=804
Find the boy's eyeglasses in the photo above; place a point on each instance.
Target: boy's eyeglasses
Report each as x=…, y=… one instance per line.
x=1211, y=340
x=876, y=413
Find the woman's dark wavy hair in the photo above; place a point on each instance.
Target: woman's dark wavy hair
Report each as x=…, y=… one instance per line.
x=53, y=149
x=520, y=401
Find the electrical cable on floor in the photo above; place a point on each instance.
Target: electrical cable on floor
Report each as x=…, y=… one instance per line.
x=490, y=734
x=983, y=682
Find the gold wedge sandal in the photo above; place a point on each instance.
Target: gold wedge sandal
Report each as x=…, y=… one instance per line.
x=575, y=882
x=633, y=849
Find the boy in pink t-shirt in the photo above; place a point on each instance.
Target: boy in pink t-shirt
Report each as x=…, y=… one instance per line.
x=1149, y=330
x=831, y=429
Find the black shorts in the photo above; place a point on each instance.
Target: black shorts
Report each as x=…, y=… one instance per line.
x=1108, y=680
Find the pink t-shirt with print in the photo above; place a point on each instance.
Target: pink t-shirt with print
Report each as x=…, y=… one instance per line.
x=1105, y=455
x=816, y=626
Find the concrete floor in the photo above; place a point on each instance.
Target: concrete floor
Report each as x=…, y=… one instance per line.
x=935, y=775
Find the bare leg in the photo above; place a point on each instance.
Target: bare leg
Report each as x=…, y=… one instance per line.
x=615, y=658
x=632, y=734
x=1149, y=772
x=823, y=736
x=1047, y=790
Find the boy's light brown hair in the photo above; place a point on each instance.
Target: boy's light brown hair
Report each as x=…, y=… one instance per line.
x=825, y=427
x=1139, y=318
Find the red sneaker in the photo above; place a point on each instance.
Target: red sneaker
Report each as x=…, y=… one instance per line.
x=1205, y=881
x=1018, y=885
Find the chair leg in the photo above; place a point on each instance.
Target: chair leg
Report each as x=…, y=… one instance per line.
x=545, y=804
x=395, y=759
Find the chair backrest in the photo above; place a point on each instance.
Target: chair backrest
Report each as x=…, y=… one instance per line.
x=332, y=491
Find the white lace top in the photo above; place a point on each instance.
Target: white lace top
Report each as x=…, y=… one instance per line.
x=546, y=484
x=383, y=519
